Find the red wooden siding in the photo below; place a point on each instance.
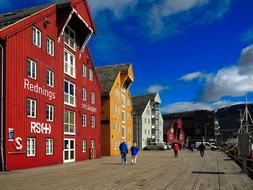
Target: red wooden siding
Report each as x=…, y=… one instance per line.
x=19, y=48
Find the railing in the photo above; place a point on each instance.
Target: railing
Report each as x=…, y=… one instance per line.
x=233, y=153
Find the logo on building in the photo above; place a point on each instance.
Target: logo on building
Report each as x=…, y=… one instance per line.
x=17, y=143
x=38, y=89
x=43, y=128
x=89, y=108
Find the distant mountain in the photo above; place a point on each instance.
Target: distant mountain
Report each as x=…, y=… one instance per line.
x=229, y=118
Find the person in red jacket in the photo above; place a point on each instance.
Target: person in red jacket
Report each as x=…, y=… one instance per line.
x=176, y=148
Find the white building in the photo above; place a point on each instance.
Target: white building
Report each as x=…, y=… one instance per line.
x=148, y=121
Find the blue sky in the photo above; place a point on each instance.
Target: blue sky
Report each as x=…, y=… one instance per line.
x=197, y=53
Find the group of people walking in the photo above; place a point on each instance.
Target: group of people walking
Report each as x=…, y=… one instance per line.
x=123, y=147
x=201, y=149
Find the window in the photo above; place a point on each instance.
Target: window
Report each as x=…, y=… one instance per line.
x=30, y=146
x=84, y=94
x=36, y=37
x=92, y=144
x=123, y=116
x=84, y=70
x=69, y=122
x=93, y=97
x=49, y=146
x=114, y=125
x=90, y=74
x=50, y=46
x=69, y=64
x=145, y=131
x=84, y=120
x=115, y=108
x=31, y=108
x=123, y=100
x=69, y=37
x=69, y=93
x=50, y=112
x=31, y=70
x=93, y=121
x=123, y=132
x=145, y=120
x=50, y=78
x=84, y=147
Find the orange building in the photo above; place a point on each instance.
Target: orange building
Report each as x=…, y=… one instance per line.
x=116, y=111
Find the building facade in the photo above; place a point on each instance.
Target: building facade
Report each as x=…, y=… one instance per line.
x=197, y=125
x=117, y=121
x=50, y=94
x=174, y=132
x=148, y=121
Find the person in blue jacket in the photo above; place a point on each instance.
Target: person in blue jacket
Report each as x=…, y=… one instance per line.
x=134, y=151
x=123, y=151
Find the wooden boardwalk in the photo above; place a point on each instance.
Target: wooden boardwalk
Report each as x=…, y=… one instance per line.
x=154, y=170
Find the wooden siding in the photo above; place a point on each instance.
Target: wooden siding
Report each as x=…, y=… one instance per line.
x=19, y=48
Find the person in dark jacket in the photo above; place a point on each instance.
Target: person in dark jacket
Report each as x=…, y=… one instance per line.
x=134, y=151
x=202, y=149
x=123, y=151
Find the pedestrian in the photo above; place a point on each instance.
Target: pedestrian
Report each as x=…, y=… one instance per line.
x=123, y=151
x=192, y=147
x=176, y=148
x=134, y=151
x=202, y=149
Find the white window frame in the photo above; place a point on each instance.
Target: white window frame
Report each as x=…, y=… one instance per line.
x=36, y=37
x=84, y=120
x=32, y=68
x=50, y=112
x=123, y=132
x=49, y=146
x=91, y=74
x=68, y=38
x=93, y=97
x=69, y=67
x=68, y=96
x=84, y=148
x=50, y=46
x=84, y=94
x=93, y=121
x=123, y=113
x=68, y=124
x=32, y=108
x=50, y=78
x=30, y=147
x=84, y=70
x=92, y=143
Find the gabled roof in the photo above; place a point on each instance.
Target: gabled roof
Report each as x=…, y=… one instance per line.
x=140, y=102
x=9, y=18
x=107, y=75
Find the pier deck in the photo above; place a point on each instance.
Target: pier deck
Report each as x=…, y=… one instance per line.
x=154, y=170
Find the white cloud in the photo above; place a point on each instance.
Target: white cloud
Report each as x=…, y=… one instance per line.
x=185, y=106
x=191, y=106
x=116, y=6
x=157, y=88
x=246, y=61
x=227, y=82
x=195, y=75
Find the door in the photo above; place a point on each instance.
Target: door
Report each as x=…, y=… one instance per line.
x=69, y=150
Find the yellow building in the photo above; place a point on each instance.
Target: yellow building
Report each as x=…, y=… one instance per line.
x=116, y=111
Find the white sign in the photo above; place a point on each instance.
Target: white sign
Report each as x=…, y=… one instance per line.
x=43, y=128
x=38, y=89
x=89, y=108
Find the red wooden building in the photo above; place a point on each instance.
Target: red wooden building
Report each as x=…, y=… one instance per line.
x=173, y=132
x=50, y=94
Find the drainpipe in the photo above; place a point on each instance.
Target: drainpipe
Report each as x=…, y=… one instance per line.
x=2, y=107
